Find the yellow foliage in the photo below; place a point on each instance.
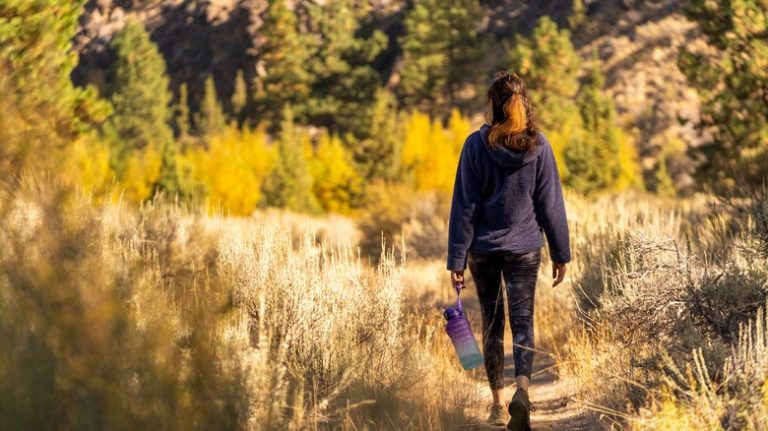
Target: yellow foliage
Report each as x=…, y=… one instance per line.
x=233, y=168
x=142, y=169
x=431, y=152
x=418, y=132
x=336, y=183
x=459, y=127
x=570, y=130
x=87, y=166
x=630, y=168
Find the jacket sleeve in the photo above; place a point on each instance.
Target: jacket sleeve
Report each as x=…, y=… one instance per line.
x=550, y=207
x=466, y=193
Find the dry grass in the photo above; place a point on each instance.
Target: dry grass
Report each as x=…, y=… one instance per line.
x=656, y=282
x=163, y=318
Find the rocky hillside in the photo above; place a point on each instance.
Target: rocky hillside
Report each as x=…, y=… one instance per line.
x=197, y=38
x=637, y=40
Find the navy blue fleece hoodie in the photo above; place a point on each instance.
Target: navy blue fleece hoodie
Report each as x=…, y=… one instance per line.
x=503, y=200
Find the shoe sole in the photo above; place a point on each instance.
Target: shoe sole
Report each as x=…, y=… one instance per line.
x=519, y=420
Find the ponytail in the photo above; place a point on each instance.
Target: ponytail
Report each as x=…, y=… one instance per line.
x=512, y=123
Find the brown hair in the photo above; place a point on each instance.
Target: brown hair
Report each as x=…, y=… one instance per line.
x=513, y=124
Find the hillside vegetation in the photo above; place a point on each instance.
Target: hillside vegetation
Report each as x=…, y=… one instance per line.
x=233, y=214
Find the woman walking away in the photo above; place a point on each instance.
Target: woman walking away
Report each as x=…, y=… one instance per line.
x=507, y=192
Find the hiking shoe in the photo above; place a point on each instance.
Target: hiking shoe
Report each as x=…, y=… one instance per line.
x=520, y=412
x=498, y=416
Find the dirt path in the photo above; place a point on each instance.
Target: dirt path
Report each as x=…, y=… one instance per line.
x=553, y=405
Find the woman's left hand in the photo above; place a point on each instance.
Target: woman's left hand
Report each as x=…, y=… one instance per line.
x=558, y=273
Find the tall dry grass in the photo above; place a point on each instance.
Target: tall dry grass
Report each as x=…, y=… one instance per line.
x=164, y=318
x=664, y=287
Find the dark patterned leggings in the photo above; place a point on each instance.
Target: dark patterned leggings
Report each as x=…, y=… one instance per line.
x=520, y=272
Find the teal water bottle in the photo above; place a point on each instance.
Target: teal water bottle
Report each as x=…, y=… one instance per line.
x=459, y=330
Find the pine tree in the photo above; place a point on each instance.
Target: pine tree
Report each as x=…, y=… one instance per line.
x=172, y=182
x=138, y=89
x=594, y=163
x=141, y=98
x=440, y=47
x=181, y=113
x=467, y=46
x=210, y=120
x=731, y=81
x=289, y=185
x=343, y=77
x=377, y=154
x=578, y=14
x=41, y=111
x=664, y=184
x=550, y=67
x=284, y=78
x=239, y=98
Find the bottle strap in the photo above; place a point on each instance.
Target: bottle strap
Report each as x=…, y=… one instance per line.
x=457, y=286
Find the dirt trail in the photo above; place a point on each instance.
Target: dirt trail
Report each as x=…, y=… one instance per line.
x=553, y=405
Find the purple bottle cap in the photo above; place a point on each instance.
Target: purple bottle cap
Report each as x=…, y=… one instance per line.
x=451, y=313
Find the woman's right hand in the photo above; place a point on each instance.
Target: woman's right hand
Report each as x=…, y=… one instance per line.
x=457, y=277
x=558, y=273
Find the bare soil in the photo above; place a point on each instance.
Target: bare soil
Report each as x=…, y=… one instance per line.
x=554, y=407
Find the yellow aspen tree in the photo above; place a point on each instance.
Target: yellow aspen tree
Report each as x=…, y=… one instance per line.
x=87, y=166
x=337, y=186
x=629, y=176
x=140, y=174
x=233, y=169
x=431, y=152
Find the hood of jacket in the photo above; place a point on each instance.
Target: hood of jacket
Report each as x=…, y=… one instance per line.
x=505, y=157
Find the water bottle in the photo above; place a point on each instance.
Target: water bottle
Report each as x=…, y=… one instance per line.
x=458, y=328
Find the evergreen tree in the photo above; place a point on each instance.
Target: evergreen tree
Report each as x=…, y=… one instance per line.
x=594, y=163
x=138, y=89
x=181, y=113
x=289, y=185
x=467, y=45
x=578, y=14
x=239, y=98
x=377, y=155
x=664, y=184
x=41, y=111
x=141, y=98
x=172, y=181
x=550, y=66
x=343, y=78
x=284, y=78
x=210, y=119
x=732, y=82
x=440, y=49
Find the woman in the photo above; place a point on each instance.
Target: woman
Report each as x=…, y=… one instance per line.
x=507, y=192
